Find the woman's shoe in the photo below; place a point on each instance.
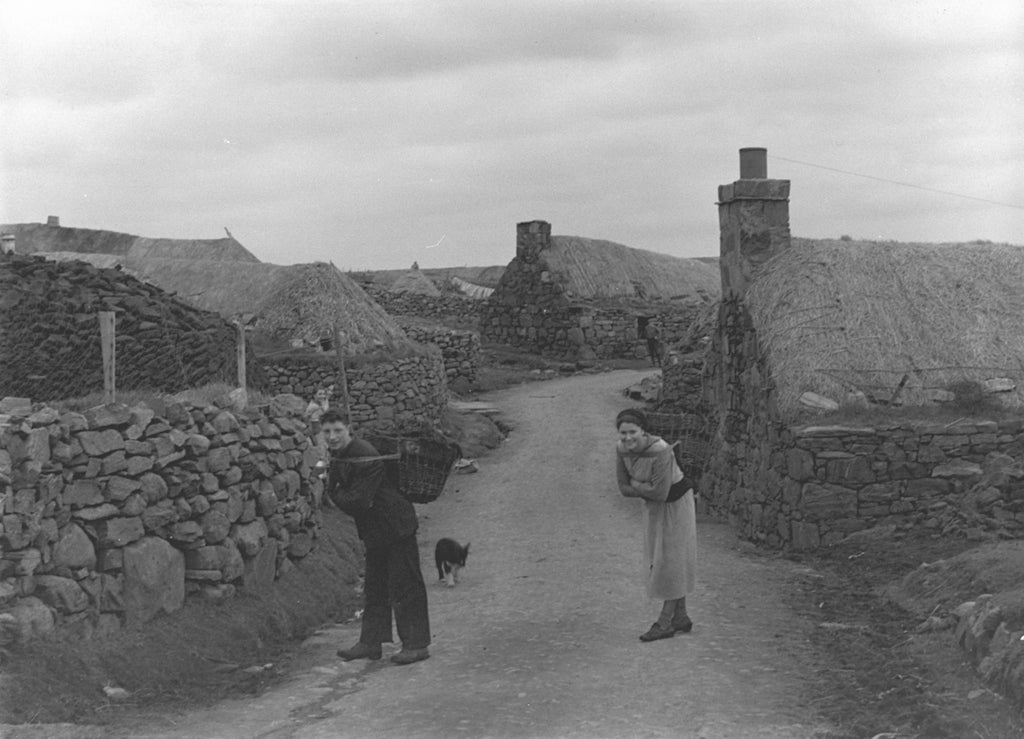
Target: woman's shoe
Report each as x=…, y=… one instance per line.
x=684, y=624
x=657, y=631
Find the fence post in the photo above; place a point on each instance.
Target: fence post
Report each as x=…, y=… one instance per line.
x=108, y=347
x=339, y=353
x=240, y=355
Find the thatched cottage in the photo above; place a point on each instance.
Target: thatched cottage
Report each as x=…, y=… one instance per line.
x=858, y=385
x=576, y=297
x=36, y=238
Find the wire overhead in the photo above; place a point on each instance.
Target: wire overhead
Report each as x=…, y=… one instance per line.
x=896, y=182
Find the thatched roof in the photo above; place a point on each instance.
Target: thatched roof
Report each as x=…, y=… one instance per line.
x=35, y=238
x=468, y=288
x=300, y=302
x=414, y=281
x=603, y=269
x=842, y=316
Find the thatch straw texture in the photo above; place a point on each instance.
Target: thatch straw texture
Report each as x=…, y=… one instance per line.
x=841, y=316
x=308, y=300
x=227, y=249
x=604, y=269
x=34, y=238
x=416, y=282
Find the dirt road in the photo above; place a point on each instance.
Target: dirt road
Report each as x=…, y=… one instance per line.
x=540, y=637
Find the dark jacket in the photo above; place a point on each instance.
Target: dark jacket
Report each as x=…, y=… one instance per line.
x=367, y=492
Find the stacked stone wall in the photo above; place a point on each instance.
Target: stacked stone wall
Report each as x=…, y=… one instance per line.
x=403, y=394
x=460, y=350
x=114, y=515
x=543, y=324
x=49, y=329
x=447, y=306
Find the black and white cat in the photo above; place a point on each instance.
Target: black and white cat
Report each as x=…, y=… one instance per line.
x=450, y=557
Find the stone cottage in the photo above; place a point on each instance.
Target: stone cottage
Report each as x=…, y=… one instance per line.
x=580, y=298
x=811, y=334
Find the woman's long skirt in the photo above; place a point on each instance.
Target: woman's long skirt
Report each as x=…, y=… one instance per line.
x=670, y=548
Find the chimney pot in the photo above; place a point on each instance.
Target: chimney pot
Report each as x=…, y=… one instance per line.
x=753, y=163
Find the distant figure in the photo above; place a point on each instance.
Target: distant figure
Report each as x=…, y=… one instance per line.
x=652, y=332
x=317, y=407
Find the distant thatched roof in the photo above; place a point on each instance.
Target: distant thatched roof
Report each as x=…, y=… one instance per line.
x=300, y=302
x=604, y=269
x=34, y=238
x=468, y=288
x=414, y=281
x=841, y=316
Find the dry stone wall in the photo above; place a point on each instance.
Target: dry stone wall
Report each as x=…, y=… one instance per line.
x=450, y=306
x=50, y=337
x=460, y=350
x=115, y=515
x=407, y=393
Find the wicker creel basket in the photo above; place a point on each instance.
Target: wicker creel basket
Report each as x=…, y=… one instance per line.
x=687, y=433
x=419, y=466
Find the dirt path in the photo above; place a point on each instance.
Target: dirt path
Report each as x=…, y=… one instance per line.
x=540, y=637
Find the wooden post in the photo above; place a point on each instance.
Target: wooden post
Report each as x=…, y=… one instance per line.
x=240, y=354
x=340, y=354
x=108, y=347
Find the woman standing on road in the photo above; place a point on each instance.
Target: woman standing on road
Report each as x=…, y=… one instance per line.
x=646, y=468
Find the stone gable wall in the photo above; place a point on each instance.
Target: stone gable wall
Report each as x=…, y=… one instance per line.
x=405, y=393
x=50, y=336
x=117, y=514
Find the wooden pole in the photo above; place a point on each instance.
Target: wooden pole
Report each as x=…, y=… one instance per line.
x=339, y=353
x=240, y=354
x=108, y=347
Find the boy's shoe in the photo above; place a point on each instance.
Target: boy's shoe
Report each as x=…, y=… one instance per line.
x=360, y=651
x=684, y=624
x=657, y=632
x=408, y=656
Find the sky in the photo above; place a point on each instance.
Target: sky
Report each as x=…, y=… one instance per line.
x=376, y=134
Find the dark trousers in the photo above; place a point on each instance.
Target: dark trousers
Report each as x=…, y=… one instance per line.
x=654, y=349
x=394, y=583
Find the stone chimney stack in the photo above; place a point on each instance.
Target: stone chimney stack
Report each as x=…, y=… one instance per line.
x=753, y=217
x=532, y=237
x=52, y=220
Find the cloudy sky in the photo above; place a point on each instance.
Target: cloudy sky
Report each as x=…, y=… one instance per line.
x=376, y=133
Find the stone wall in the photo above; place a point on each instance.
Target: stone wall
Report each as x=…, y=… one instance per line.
x=406, y=393
x=460, y=350
x=116, y=514
x=50, y=337
x=450, y=306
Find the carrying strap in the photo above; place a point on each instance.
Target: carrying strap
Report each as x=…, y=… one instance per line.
x=358, y=460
